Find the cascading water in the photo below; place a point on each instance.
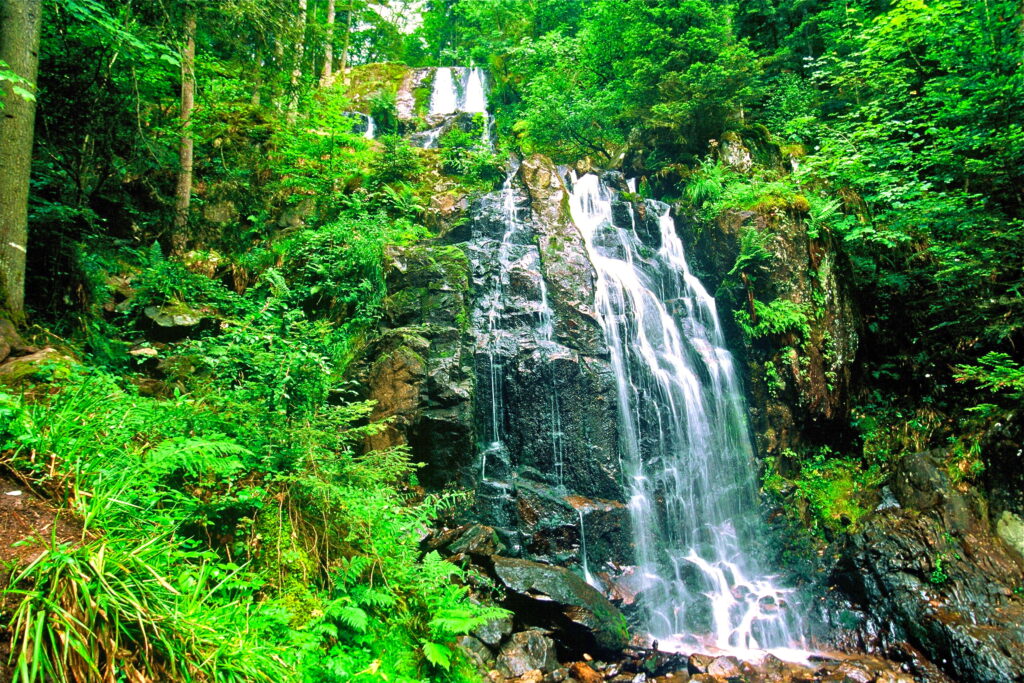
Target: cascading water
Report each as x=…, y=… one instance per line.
x=475, y=99
x=513, y=247
x=685, y=450
x=458, y=89
x=444, y=98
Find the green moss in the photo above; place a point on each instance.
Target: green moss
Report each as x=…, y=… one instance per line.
x=797, y=151
x=830, y=488
x=369, y=79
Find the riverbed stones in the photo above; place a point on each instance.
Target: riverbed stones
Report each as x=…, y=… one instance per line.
x=527, y=651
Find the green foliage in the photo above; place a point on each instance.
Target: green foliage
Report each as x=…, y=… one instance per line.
x=469, y=154
x=169, y=496
x=778, y=317
x=106, y=610
x=996, y=372
x=754, y=255
x=161, y=281
x=397, y=161
x=938, y=575
x=337, y=268
x=832, y=488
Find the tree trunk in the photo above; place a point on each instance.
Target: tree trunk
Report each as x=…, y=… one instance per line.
x=344, y=49
x=300, y=48
x=326, y=77
x=20, y=23
x=183, y=194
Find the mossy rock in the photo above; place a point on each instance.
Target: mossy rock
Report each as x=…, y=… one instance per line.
x=366, y=80
x=45, y=365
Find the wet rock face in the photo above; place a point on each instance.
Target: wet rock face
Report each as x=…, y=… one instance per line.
x=931, y=572
x=545, y=397
x=801, y=386
x=422, y=375
x=566, y=266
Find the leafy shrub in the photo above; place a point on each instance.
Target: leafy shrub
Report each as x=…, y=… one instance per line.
x=337, y=269
x=396, y=162
x=830, y=486
x=469, y=154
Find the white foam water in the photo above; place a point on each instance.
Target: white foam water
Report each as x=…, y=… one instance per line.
x=686, y=452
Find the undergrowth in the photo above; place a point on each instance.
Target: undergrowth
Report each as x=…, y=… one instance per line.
x=173, y=579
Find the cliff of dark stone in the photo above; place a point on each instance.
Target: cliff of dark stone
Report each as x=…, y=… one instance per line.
x=801, y=384
x=429, y=371
x=556, y=397
x=420, y=371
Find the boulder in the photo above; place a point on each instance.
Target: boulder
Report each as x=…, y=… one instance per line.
x=174, y=322
x=725, y=667
x=932, y=573
x=494, y=631
x=527, y=651
x=699, y=663
x=16, y=370
x=477, y=651
x=556, y=598
x=1010, y=528
x=582, y=672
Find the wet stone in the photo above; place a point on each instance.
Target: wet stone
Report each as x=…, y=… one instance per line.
x=584, y=673
x=527, y=651
x=699, y=663
x=494, y=631
x=725, y=667
x=479, y=653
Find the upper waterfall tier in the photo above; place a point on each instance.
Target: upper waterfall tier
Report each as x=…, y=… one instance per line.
x=458, y=89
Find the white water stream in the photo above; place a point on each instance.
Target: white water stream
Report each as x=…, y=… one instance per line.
x=685, y=449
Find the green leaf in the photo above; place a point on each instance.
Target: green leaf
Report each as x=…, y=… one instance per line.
x=437, y=654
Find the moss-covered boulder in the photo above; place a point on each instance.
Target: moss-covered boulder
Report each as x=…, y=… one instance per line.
x=555, y=598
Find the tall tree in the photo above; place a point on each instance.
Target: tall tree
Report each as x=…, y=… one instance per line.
x=183, y=193
x=300, y=49
x=20, y=22
x=326, y=76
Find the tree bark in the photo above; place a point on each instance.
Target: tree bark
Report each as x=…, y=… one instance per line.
x=183, y=193
x=300, y=48
x=20, y=25
x=348, y=35
x=326, y=76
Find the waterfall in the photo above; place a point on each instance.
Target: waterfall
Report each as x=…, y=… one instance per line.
x=444, y=99
x=458, y=89
x=371, y=128
x=475, y=99
x=686, y=454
